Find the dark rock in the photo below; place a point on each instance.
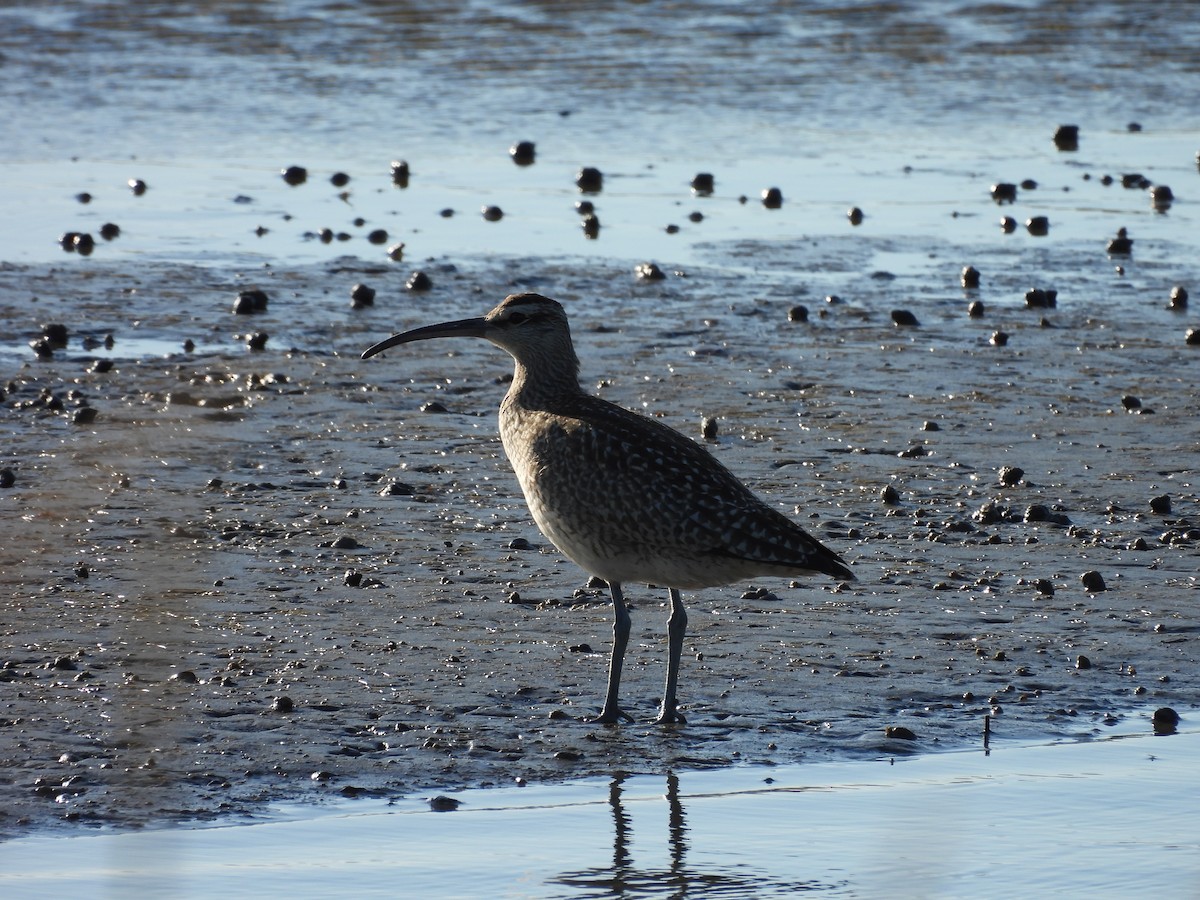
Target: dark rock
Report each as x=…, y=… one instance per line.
x=648, y=272
x=523, y=153
x=1161, y=505
x=418, y=281
x=1045, y=586
x=855, y=216
x=589, y=180
x=585, y=207
x=1082, y=662
x=591, y=226
x=1093, y=582
x=295, y=175
x=282, y=704
x=352, y=578
x=1066, y=137
x=249, y=302
x=1179, y=298
x=798, y=314
x=1041, y=298
x=772, y=198
x=1131, y=402
x=361, y=295
x=1121, y=245
x=1165, y=720
x=1011, y=475
x=137, y=186
x=109, y=231
x=970, y=277
x=703, y=184
x=339, y=179
x=493, y=213
x=7, y=478
x=889, y=496
x=85, y=415
x=378, y=236
x=708, y=428
x=258, y=340
x=400, y=173
x=1004, y=192
x=899, y=733
x=1008, y=224
x=998, y=339
x=396, y=252
x=976, y=309
x=1038, y=226
x=904, y=318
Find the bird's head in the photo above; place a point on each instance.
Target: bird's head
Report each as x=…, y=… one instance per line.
x=532, y=328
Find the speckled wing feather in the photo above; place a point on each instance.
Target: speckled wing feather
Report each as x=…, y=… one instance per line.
x=647, y=498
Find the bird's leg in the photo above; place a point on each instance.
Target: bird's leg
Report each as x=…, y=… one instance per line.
x=676, y=626
x=612, y=712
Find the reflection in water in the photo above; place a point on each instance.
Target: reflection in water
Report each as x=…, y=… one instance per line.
x=625, y=878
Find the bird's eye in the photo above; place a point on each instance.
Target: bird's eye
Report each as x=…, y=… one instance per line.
x=516, y=318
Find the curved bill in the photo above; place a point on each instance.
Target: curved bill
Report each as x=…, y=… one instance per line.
x=461, y=328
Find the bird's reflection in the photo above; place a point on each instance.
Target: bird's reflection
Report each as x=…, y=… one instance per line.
x=625, y=878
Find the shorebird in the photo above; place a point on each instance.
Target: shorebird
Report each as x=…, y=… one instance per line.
x=625, y=497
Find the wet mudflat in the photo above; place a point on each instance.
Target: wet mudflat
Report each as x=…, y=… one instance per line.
x=256, y=575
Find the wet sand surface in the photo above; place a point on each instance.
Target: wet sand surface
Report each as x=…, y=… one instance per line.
x=271, y=575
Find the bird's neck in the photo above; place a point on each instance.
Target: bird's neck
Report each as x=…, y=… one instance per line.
x=545, y=381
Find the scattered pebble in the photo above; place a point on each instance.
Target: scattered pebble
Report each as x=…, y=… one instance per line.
x=295, y=175
x=361, y=295
x=1161, y=505
x=523, y=153
x=250, y=302
x=418, y=281
x=1121, y=245
x=1165, y=720
x=1066, y=137
x=1038, y=226
x=1041, y=298
x=1004, y=192
x=648, y=272
x=589, y=180
x=1011, y=475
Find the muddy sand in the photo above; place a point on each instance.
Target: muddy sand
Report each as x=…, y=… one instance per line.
x=274, y=575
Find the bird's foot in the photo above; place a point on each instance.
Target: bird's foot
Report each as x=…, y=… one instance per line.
x=611, y=716
x=673, y=717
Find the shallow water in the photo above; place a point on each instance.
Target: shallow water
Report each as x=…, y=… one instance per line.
x=206, y=494
x=1099, y=819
